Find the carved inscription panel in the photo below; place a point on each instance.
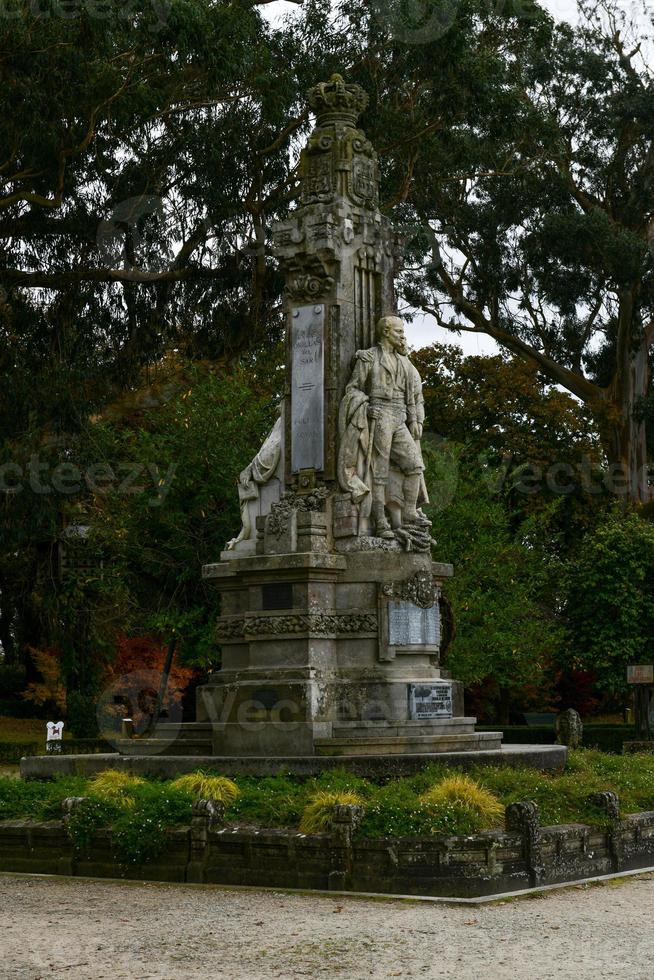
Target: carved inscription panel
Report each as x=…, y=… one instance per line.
x=307, y=388
x=430, y=700
x=411, y=625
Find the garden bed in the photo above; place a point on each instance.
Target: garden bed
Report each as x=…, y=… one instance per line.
x=506, y=830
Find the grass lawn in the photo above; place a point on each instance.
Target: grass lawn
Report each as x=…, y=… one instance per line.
x=22, y=729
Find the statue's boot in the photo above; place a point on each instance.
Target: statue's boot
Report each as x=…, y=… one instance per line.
x=382, y=527
x=410, y=512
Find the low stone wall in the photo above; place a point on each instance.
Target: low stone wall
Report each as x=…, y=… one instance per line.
x=522, y=856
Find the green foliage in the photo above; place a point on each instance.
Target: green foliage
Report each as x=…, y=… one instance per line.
x=202, y=785
x=467, y=794
x=276, y=801
x=504, y=628
x=119, y=787
x=543, y=214
x=534, y=444
x=437, y=800
x=89, y=816
x=81, y=711
x=37, y=801
x=317, y=814
x=609, y=602
x=139, y=833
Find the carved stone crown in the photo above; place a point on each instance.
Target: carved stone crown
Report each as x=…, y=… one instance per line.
x=335, y=101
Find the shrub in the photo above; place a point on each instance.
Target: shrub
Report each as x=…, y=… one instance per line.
x=317, y=814
x=112, y=784
x=202, y=785
x=272, y=801
x=50, y=690
x=37, y=801
x=89, y=817
x=397, y=811
x=140, y=832
x=463, y=792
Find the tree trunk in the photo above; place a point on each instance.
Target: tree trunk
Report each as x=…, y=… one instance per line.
x=504, y=705
x=625, y=435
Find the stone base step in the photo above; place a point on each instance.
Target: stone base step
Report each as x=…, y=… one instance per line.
x=405, y=729
x=162, y=746
x=190, y=730
x=409, y=744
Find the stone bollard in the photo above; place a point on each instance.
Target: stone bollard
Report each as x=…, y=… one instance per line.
x=523, y=819
x=344, y=822
x=569, y=728
x=609, y=803
x=206, y=815
x=69, y=805
x=127, y=728
x=68, y=862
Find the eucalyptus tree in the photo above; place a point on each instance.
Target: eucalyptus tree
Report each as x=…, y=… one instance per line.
x=532, y=221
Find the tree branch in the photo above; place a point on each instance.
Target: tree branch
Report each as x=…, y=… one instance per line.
x=575, y=383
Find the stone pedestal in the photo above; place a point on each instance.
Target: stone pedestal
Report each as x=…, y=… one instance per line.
x=332, y=654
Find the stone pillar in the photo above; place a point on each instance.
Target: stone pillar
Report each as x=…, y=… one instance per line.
x=338, y=255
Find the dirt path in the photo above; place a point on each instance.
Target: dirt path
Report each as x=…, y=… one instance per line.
x=77, y=930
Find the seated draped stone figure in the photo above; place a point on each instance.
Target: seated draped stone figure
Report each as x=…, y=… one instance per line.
x=262, y=472
x=380, y=426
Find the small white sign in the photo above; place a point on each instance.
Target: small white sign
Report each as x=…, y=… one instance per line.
x=54, y=735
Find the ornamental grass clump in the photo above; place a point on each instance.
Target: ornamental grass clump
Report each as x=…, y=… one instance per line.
x=119, y=787
x=204, y=786
x=317, y=814
x=462, y=793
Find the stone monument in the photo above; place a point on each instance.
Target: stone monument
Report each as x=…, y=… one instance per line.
x=330, y=616
x=330, y=625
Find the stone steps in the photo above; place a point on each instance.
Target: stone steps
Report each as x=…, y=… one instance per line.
x=188, y=730
x=408, y=744
x=405, y=729
x=160, y=746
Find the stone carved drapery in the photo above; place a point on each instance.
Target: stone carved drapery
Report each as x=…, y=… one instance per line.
x=255, y=475
x=379, y=461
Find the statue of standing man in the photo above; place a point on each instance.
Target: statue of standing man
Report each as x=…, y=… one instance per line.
x=380, y=426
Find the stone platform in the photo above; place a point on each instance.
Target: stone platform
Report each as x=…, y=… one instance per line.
x=371, y=766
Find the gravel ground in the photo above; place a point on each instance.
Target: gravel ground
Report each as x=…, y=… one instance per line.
x=76, y=929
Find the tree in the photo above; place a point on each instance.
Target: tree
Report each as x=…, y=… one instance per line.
x=534, y=444
x=146, y=495
x=506, y=635
x=144, y=160
x=609, y=602
x=534, y=222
